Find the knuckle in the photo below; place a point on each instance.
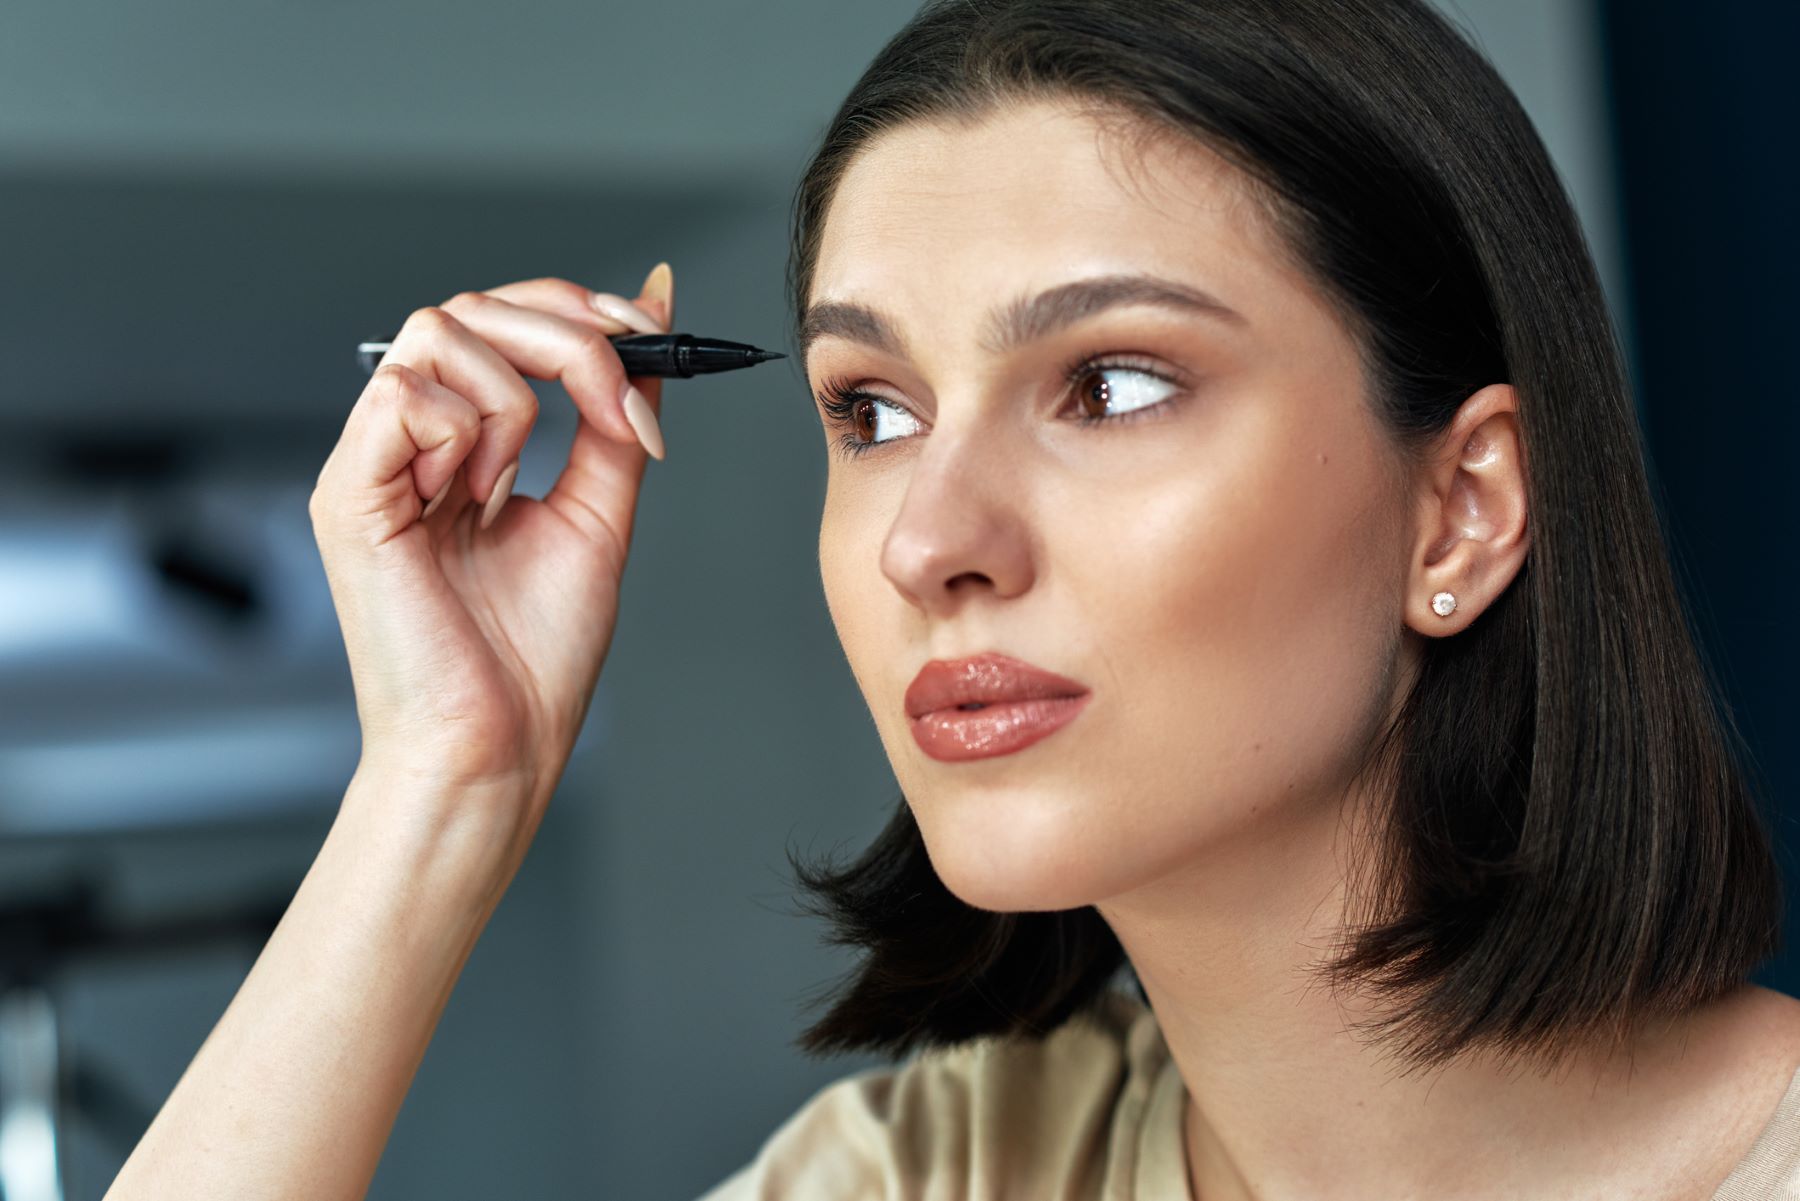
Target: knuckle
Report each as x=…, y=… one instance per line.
x=467, y=299
x=468, y=420
x=316, y=506
x=431, y=319
x=393, y=383
x=517, y=408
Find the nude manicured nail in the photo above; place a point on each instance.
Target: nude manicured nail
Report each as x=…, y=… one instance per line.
x=502, y=489
x=624, y=311
x=439, y=498
x=660, y=285
x=643, y=421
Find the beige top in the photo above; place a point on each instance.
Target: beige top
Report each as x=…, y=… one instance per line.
x=1092, y=1113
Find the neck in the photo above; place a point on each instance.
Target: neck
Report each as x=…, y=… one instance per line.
x=1287, y=1101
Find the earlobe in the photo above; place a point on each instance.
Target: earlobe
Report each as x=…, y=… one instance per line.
x=1473, y=535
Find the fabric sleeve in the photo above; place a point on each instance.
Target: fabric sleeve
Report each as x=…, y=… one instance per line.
x=836, y=1147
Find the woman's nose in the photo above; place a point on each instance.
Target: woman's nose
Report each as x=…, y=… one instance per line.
x=960, y=531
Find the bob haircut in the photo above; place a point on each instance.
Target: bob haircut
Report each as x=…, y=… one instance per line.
x=1569, y=841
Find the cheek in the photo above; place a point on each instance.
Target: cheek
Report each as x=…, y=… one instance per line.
x=850, y=571
x=1237, y=608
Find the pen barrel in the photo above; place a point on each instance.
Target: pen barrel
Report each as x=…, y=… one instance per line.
x=660, y=355
x=654, y=354
x=682, y=355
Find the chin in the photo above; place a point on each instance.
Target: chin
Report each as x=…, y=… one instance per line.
x=1010, y=852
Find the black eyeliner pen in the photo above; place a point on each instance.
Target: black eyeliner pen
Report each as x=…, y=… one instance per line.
x=678, y=355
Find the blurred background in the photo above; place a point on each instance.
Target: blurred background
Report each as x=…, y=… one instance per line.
x=204, y=205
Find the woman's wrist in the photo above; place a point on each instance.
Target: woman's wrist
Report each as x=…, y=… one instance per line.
x=464, y=837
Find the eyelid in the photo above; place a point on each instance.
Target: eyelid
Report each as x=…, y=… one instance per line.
x=1150, y=365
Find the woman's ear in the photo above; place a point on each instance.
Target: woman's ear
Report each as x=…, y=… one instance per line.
x=1472, y=515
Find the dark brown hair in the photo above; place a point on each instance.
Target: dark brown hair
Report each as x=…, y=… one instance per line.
x=1570, y=841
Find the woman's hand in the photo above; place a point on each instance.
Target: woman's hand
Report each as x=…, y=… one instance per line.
x=475, y=647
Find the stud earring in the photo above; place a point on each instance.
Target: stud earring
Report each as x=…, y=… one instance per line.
x=1443, y=604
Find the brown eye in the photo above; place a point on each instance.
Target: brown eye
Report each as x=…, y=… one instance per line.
x=862, y=420
x=1093, y=388
x=1108, y=391
x=867, y=420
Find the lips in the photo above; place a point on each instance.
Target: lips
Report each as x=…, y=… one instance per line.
x=987, y=679
x=991, y=704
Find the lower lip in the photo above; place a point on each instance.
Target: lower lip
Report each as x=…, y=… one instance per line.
x=955, y=735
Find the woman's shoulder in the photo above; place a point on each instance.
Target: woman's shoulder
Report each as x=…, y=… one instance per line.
x=1007, y=1116
x=1770, y=1021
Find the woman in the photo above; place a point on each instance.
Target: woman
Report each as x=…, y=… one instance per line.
x=1237, y=527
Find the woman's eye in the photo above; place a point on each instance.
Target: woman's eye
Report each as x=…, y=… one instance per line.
x=1103, y=392
x=874, y=420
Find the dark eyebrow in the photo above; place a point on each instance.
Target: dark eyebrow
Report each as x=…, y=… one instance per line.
x=1025, y=319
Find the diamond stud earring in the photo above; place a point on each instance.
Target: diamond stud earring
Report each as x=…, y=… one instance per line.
x=1443, y=604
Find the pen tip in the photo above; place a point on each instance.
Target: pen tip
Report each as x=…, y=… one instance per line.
x=763, y=356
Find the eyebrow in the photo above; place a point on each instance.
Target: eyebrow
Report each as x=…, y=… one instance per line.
x=1025, y=319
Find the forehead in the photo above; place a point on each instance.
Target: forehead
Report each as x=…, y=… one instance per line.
x=1034, y=192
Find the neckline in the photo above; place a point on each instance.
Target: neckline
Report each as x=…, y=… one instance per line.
x=1771, y=1165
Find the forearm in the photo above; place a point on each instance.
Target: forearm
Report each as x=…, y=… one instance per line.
x=295, y=1091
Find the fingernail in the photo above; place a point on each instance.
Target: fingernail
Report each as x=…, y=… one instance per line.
x=643, y=420
x=439, y=498
x=623, y=310
x=660, y=285
x=502, y=490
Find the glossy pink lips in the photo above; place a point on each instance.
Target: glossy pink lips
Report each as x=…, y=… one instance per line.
x=987, y=705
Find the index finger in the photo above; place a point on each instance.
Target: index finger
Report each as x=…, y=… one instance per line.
x=565, y=298
x=568, y=299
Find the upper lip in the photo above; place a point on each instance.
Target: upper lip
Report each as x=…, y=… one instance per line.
x=989, y=677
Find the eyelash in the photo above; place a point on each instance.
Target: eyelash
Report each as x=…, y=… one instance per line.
x=840, y=397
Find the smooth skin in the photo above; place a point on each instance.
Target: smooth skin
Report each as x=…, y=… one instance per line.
x=1240, y=567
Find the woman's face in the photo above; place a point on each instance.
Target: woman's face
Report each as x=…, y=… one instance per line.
x=1221, y=561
